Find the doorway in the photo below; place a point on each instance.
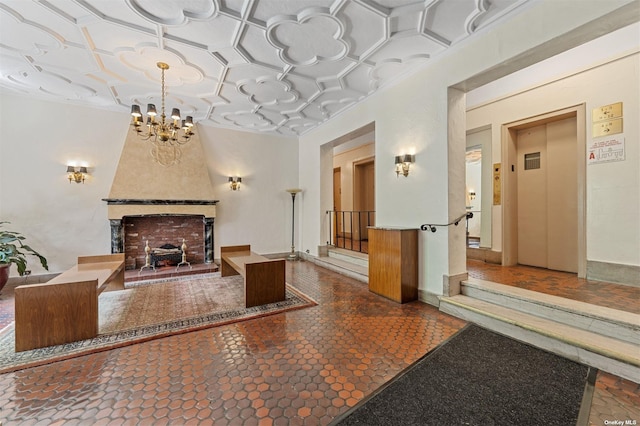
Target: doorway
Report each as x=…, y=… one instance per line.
x=478, y=190
x=544, y=184
x=337, y=201
x=364, y=196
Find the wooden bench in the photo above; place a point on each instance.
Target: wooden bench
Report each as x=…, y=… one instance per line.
x=264, y=279
x=65, y=308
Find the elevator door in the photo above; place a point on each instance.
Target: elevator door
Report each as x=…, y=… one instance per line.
x=548, y=196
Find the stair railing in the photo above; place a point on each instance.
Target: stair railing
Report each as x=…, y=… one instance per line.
x=348, y=229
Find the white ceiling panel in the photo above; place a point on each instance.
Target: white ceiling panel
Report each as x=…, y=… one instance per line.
x=276, y=66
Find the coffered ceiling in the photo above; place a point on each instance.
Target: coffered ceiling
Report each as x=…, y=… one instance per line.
x=281, y=66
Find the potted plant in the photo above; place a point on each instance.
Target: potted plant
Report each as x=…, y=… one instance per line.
x=13, y=250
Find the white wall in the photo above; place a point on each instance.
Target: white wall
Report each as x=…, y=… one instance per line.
x=260, y=212
x=613, y=189
x=63, y=220
x=414, y=116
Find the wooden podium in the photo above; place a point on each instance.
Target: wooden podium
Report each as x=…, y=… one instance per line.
x=393, y=263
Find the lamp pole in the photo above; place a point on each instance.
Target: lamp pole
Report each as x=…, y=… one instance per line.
x=293, y=192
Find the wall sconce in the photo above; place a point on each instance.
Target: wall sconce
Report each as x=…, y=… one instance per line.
x=402, y=164
x=472, y=195
x=234, y=184
x=77, y=174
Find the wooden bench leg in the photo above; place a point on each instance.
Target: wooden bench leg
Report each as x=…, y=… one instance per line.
x=117, y=283
x=227, y=270
x=264, y=282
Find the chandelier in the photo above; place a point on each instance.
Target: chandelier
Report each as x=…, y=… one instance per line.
x=165, y=135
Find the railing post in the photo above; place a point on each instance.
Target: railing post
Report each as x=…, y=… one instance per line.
x=342, y=229
x=359, y=231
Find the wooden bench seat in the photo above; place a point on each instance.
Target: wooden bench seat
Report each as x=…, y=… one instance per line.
x=65, y=308
x=264, y=279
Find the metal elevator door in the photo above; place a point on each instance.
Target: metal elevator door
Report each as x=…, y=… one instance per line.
x=548, y=196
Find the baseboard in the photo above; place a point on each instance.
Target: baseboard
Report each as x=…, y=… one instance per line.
x=429, y=298
x=613, y=272
x=484, y=254
x=31, y=279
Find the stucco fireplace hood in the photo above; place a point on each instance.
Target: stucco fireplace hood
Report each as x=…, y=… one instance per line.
x=142, y=186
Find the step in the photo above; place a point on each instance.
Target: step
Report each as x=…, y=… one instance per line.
x=605, y=353
x=350, y=269
x=598, y=319
x=361, y=259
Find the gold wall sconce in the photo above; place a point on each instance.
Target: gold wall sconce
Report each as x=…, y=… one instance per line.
x=77, y=174
x=403, y=162
x=234, y=183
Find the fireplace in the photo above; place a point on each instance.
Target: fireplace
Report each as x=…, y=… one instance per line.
x=162, y=205
x=160, y=230
x=162, y=222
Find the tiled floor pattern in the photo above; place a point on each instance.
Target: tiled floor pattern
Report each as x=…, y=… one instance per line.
x=302, y=367
x=615, y=399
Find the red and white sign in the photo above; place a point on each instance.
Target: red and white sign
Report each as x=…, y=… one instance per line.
x=606, y=150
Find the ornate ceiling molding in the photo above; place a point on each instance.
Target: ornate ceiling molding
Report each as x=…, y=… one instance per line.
x=273, y=66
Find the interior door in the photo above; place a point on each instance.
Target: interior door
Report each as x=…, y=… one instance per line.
x=364, y=196
x=337, y=203
x=547, y=196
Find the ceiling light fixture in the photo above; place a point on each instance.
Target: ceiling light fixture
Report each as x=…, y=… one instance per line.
x=166, y=136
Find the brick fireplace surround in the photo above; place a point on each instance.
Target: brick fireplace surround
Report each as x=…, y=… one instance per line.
x=162, y=222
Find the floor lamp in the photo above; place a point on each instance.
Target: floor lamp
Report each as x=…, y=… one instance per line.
x=293, y=192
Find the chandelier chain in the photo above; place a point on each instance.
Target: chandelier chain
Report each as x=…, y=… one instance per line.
x=163, y=94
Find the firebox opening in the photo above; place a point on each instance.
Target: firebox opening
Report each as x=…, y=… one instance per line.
x=163, y=230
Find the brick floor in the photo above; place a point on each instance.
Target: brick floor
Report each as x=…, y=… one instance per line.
x=298, y=368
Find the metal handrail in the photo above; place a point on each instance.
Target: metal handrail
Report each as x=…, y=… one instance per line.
x=432, y=228
x=341, y=228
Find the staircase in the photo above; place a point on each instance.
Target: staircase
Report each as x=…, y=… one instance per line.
x=601, y=337
x=604, y=338
x=346, y=262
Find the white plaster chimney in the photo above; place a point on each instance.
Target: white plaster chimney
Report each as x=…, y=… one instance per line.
x=142, y=186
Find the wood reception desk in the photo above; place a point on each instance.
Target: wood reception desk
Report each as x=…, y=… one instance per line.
x=393, y=263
